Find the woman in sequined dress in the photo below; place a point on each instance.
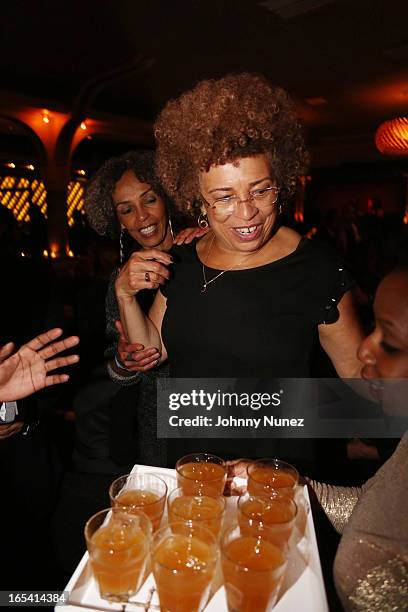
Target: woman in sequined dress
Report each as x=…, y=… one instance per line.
x=371, y=565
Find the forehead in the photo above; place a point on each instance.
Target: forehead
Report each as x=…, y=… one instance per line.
x=243, y=169
x=129, y=184
x=391, y=301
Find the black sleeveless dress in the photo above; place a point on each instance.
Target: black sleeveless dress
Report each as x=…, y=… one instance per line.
x=260, y=322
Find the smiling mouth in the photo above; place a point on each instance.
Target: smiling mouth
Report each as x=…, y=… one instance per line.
x=149, y=230
x=248, y=232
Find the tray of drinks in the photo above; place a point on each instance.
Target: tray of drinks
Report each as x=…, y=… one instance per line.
x=301, y=583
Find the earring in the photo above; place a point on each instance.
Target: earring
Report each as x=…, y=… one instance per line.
x=171, y=228
x=121, y=246
x=280, y=209
x=202, y=220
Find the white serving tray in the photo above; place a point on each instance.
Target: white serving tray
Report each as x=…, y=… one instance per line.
x=303, y=588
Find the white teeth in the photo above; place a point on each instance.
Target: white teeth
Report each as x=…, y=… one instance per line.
x=245, y=230
x=150, y=229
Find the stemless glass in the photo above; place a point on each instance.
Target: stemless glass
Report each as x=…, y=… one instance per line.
x=118, y=543
x=253, y=568
x=265, y=475
x=276, y=510
x=205, y=510
x=184, y=557
x=146, y=492
x=202, y=474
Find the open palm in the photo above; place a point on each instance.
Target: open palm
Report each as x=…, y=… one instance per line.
x=27, y=371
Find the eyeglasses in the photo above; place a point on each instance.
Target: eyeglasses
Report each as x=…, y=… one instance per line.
x=228, y=204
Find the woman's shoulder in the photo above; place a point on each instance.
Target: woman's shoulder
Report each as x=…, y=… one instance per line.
x=185, y=252
x=322, y=255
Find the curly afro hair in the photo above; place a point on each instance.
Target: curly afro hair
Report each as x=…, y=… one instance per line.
x=220, y=121
x=98, y=199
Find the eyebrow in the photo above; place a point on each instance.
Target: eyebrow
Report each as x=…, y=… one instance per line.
x=128, y=201
x=266, y=178
x=390, y=328
x=386, y=323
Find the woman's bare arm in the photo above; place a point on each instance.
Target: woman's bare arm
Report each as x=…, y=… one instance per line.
x=144, y=270
x=341, y=340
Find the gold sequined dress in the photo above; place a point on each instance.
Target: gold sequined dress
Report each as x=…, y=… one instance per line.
x=371, y=565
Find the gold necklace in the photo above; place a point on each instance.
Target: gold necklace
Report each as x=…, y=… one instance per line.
x=208, y=282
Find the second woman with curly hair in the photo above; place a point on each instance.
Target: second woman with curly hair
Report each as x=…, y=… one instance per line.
x=252, y=297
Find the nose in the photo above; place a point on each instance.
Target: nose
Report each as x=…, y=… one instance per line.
x=141, y=213
x=366, y=350
x=245, y=209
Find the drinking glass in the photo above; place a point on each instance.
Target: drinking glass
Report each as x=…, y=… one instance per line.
x=253, y=568
x=146, y=492
x=265, y=475
x=184, y=557
x=276, y=510
x=118, y=543
x=205, y=510
x=202, y=474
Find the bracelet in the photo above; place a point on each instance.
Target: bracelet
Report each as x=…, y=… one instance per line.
x=120, y=364
x=125, y=381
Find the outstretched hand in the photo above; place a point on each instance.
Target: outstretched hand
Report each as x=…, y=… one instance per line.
x=28, y=370
x=134, y=356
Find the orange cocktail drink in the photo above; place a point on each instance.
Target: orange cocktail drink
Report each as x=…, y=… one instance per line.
x=119, y=548
x=266, y=475
x=202, y=474
x=253, y=568
x=146, y=492
x=276, y=510
x=184, y=557
x=205, y=510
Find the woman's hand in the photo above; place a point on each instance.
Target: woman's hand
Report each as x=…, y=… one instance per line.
x=27, y=371
x=134, y=356
x=145, y=269
x=188, y=234
x=236, y=468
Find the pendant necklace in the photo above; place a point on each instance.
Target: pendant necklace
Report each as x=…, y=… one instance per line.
x=208, y=282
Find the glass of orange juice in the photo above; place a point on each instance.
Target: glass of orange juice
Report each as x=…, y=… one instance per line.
x=206, y=510
x=184, y=556
x=202, y=474
x=253, y=568
x=145, y=492
x=276, y=510
x=265, y=475
x=118, y=543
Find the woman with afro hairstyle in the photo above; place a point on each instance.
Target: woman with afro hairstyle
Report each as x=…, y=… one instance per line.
x=252, y=297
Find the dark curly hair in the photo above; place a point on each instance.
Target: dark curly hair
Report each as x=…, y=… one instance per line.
x=220, y=121
x=98, y=199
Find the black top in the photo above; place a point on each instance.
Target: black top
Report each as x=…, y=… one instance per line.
x=260, y=322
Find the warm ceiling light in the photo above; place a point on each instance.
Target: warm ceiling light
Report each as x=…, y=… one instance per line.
x=317, y=101
x=391, y=138
x=11, y=165
x=46, y=116
x=83, y=125
x=30, y=167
